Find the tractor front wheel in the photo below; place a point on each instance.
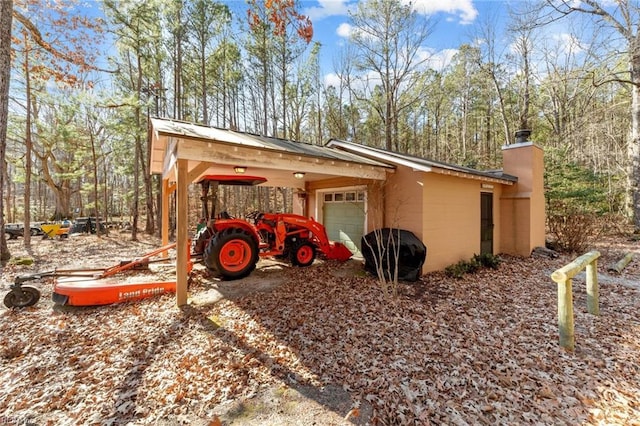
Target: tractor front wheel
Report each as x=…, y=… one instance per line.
x=303, y=254
x=232, y=252
x=21, y=298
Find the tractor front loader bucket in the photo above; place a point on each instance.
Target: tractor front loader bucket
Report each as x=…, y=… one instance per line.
x=338, y=251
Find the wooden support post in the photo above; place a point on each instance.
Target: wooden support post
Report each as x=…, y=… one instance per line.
x=565, y=315
x=165, y=215
x=182, y=223
x=593, y=306
x=563, y=277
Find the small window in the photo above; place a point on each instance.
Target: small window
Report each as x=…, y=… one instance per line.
x=350, y=196
x=338, y=197
x=360, y=195
x=328, y=197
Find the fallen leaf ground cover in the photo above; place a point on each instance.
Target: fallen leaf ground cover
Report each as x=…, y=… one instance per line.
x=478, y=350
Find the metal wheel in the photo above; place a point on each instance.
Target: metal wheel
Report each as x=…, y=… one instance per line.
x=232, y=252
x=303, y=254
x=21, y=298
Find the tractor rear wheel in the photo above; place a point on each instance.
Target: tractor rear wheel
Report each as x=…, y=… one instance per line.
x=26, y=296
x=303, y=254
x=232, y=252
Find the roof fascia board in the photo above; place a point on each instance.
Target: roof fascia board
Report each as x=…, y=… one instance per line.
x=483, y=178
x=365, y=151
x=384, y=156
x=232, y=154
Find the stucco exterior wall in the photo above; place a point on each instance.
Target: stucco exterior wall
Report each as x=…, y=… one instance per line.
x=402, y=200
x=452, y=219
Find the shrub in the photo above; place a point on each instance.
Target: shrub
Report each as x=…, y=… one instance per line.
x=473, y=265
x=457, y=270
x=487, y=260
x=573, y=232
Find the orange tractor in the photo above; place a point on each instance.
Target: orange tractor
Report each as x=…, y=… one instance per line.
x=233, y=246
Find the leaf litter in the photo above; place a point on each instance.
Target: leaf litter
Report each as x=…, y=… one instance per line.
x=478, y=350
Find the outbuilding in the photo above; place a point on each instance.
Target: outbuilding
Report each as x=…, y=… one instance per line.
x=353, y=189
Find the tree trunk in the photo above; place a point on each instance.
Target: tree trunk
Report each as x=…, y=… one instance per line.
x=265, y=91
x=10, y=201
x=105, y=196
x=283, y=82
x=634, y=140
x=203, y=74
x=6, y=17
x=138, y=150
x=94, y=163
x=26, y=235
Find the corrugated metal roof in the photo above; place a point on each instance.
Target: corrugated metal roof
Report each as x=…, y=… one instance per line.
x=416, y=162
x=191, y=130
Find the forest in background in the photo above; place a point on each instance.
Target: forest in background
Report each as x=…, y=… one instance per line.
x=84, y=87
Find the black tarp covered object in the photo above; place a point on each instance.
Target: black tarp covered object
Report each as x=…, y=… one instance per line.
x=379, y=246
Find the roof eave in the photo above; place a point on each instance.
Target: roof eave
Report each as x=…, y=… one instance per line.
x=443, y=169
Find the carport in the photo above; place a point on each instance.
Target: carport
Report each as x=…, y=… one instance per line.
x=183, y=152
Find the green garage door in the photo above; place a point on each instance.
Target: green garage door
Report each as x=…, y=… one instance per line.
x=343, y=217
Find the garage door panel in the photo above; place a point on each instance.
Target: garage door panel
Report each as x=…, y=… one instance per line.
x=345, y=223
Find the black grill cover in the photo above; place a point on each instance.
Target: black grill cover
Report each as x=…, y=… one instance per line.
x=412, y=254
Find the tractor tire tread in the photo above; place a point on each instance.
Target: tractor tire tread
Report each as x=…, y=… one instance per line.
x=212, y=252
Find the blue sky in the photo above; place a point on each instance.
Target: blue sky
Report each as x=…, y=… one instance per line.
x=330, y=18
x=455, y=23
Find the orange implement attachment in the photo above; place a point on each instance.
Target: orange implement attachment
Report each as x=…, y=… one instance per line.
x=89, y=287
x=134, y=263
x=81, y=291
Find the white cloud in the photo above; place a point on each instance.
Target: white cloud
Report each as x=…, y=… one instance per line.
x=464, y=9
x=326, y=8
x=436, y=60
x=567, y=43
x=440, y=60
x=344, y=30
x=331, y=79
x=364, y=82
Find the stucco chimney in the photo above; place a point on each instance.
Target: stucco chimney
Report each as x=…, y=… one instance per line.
x=522, y=204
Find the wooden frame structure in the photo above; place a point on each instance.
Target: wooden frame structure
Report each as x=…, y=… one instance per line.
x=183, y=152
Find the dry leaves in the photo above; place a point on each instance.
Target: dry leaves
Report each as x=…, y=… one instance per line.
x=481, y=350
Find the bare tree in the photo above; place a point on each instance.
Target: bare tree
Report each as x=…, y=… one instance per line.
x=389, y=37
x=620, y=17
x=492, y=65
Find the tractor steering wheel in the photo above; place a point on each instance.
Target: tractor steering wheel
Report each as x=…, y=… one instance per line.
x=255, y=216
